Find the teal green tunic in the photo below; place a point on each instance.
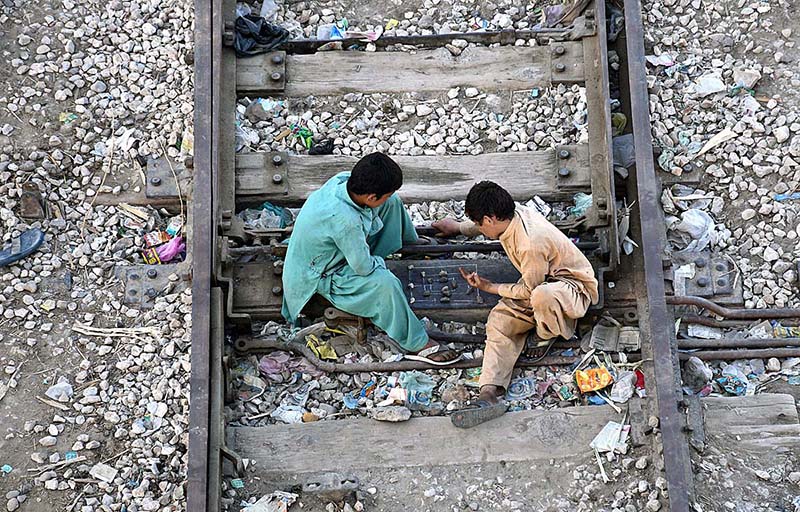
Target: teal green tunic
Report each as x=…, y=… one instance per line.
x=337, y=250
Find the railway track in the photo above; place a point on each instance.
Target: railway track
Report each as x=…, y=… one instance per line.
x=228, y=291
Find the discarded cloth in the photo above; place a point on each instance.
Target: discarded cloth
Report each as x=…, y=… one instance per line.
x=256, y=35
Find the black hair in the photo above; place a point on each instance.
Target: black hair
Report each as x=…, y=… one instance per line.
x=375, y=174
x=486, y=199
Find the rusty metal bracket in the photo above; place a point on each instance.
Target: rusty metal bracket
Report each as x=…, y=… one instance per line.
x=161, y=178
x=268, y=72
x=143, y=283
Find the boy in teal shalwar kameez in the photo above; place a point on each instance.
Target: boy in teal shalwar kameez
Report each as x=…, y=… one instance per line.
x=340, y=238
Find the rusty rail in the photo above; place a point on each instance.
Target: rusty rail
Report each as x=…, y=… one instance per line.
x=200, y=496
x=739, y=343
x=733, y=313
x=727, y=355
x=659, y=323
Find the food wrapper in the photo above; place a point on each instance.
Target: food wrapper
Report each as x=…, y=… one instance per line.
x=593, y=379
x=155, y=238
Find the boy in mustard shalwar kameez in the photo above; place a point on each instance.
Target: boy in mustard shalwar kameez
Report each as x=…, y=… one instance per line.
x=556, y=288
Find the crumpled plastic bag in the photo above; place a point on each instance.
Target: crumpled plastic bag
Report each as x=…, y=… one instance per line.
x=699, y=226
x=419, y=389
x=708, y=84
x=624, y=150
x=171, y=249
x=256, y=35
x=582, y=203
x=623, y=388
x=696, y=377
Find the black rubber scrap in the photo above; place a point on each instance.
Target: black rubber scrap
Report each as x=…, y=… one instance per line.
x=256, y=35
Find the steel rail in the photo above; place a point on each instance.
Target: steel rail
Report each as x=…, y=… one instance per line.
x=205, y=124
x=659, y=321
x=739, y=343
x=733, y=313
x=729, y=355
x=713, y=322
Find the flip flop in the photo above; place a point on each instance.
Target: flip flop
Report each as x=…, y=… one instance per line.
x=480, y=412
x=535, y=343
x=22, y=246
x=451, y=356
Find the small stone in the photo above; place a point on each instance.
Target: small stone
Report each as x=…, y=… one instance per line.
x=471, y=92
x=642, y=462
x=773, y=365
x=770, y=254
x=51, y=485
x=148, y=29
x=763, y=475
x=99, y=86
x=782, y=134
x=794, y=477
x=653, y=506
x=103, y=472
x=652, y=422
x=748, y=214
x=787, y=33
x=12, y=504
x=7, y=129
x=42, y=49
x=24, y=40
x=423, y=110
x=48, y=441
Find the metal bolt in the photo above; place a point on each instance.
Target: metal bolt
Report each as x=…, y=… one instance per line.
x=152, y=273
x=722, y=282
x=132, y=292
x=702, y=282
x=277, y=268
x=560, y=50
x=601, y=202
x=275, y=77
x=277, y=179
x=700, y=263
x=135, y=277
x=155, y=181
x=560, y=67
x=589, y=14
x=563, y=154
x=151, y=292
x=277, y=58
x=720, y=267
x=563, y=172
x=277, y=160
x=688, y=168
x=277, y=290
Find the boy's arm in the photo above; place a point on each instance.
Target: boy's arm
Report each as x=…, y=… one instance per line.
x=535, y=265
x=468, y=228
x=353, y=244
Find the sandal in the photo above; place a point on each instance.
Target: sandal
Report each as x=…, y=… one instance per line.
x=446, y=355
x=22, y=246
x=477, y=413
x=535, y=343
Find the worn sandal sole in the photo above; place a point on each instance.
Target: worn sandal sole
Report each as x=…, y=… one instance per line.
x=546, y=346
x=469, y=418
x=22, y=246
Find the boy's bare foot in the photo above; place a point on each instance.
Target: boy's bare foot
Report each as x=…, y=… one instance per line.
x=491, y=394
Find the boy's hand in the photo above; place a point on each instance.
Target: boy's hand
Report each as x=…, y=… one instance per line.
x=476, y=281
x=447, y=227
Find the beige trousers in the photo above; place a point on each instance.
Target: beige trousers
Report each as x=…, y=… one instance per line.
x=553, y=310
